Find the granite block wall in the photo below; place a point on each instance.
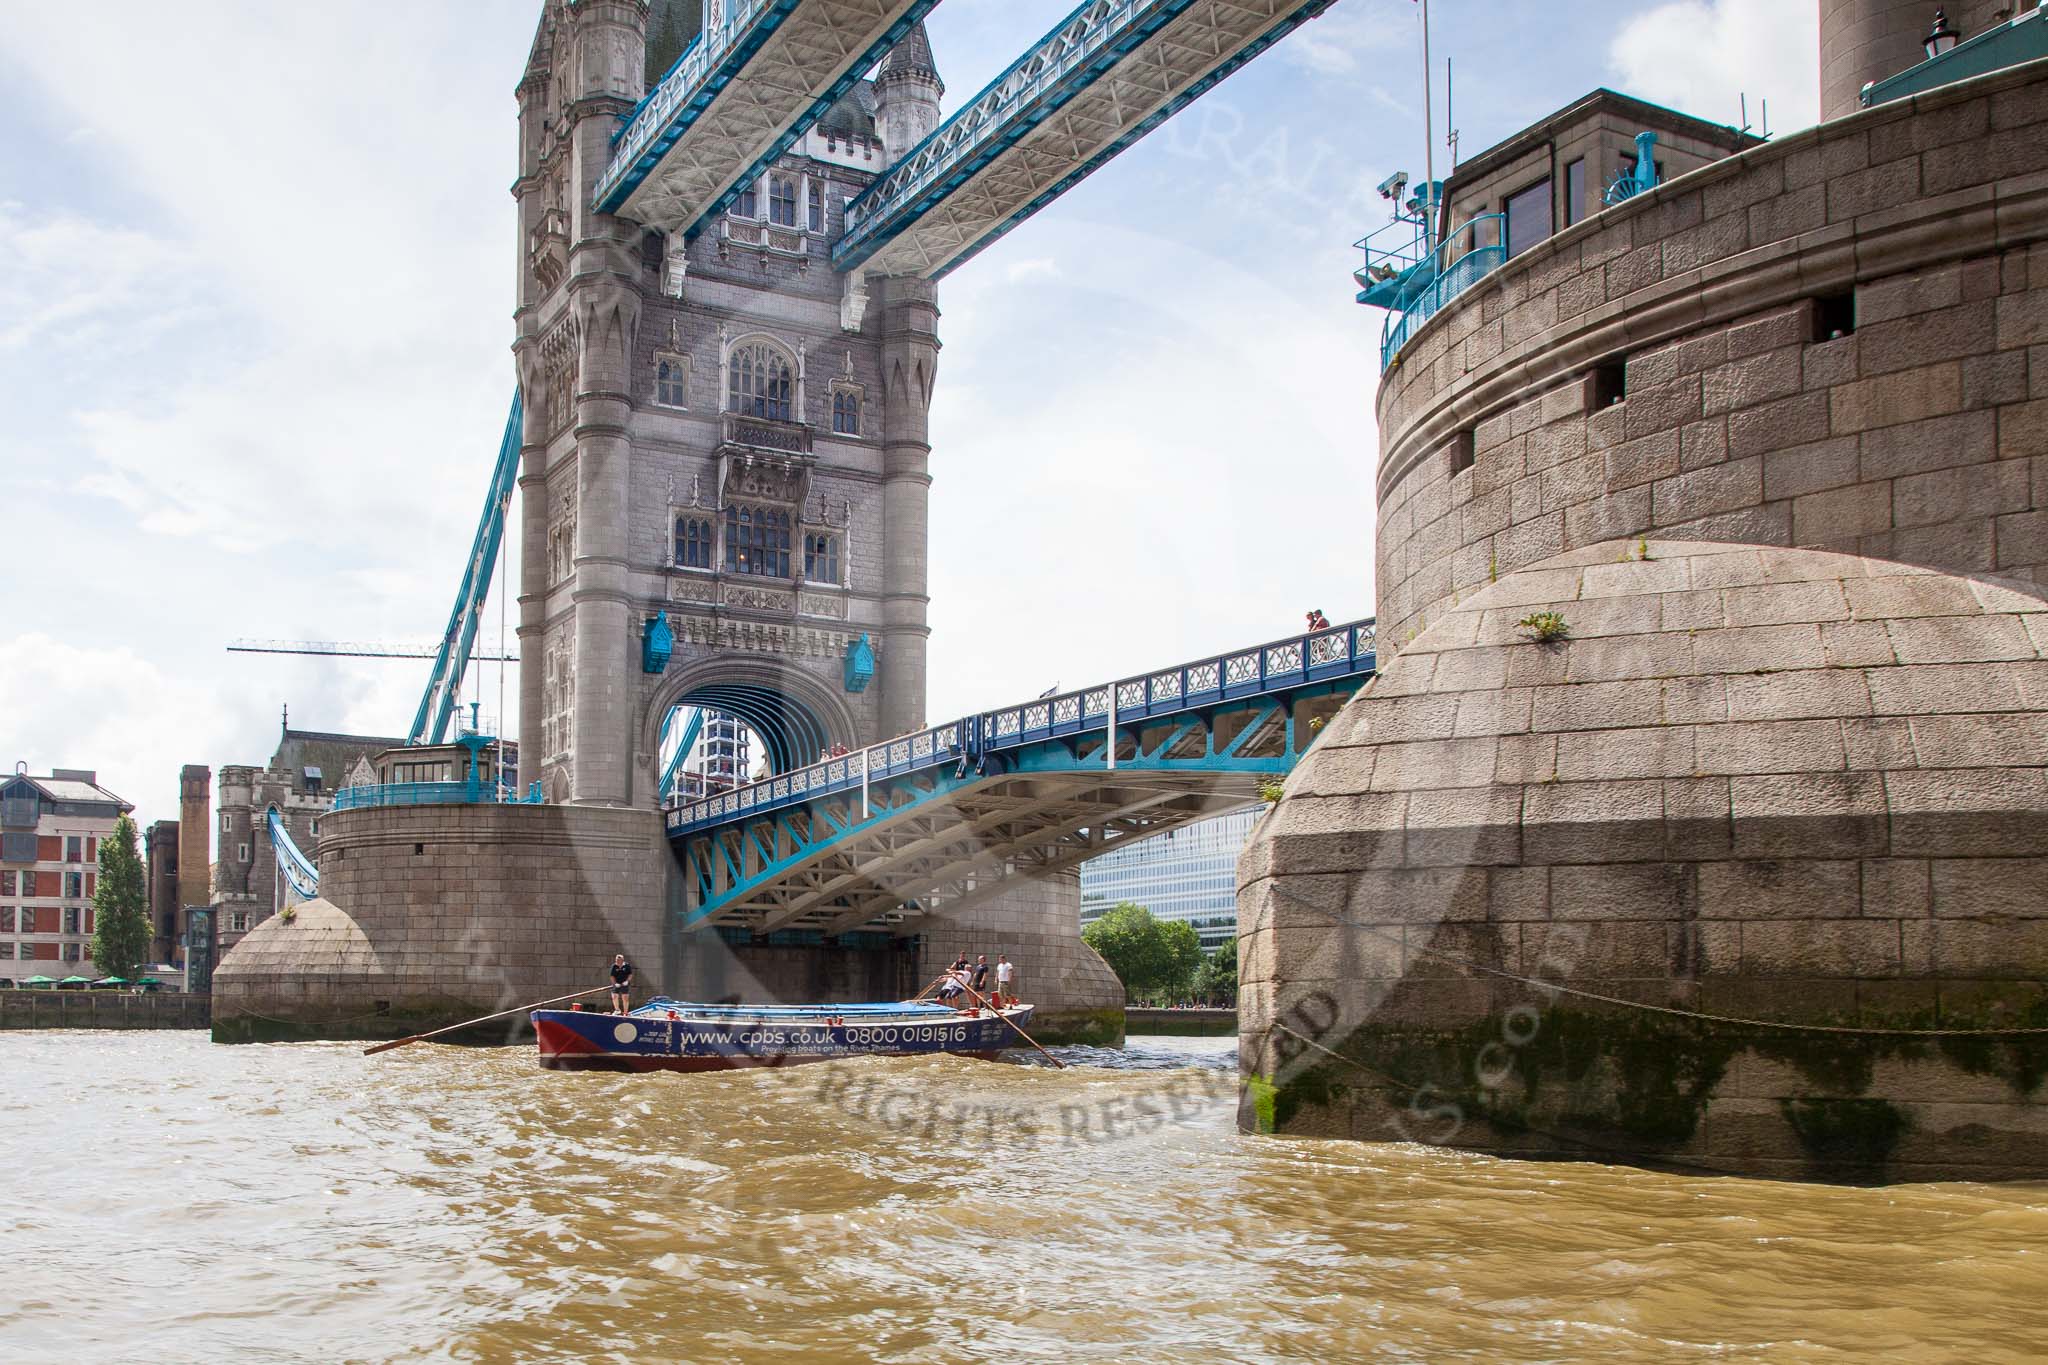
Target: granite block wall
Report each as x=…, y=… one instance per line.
x=1839, y=339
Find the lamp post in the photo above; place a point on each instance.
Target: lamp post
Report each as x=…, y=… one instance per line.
x=1941, y=37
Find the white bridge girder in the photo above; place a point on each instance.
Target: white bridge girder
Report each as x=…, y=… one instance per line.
x=818, y=44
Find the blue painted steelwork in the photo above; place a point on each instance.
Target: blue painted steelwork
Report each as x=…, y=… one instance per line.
x=706, y=68
x=1197, y=721
x=1639, y=177
x=694, y=728
x=1414, y=295
x=1078, y=51
x=430, y=794
x=297, y=869
x=2022, y=38
x=451, y=660
x=860, y=664
x=657, y=643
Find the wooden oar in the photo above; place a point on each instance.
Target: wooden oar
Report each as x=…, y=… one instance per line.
x=983, y=1002
x=422, y=1037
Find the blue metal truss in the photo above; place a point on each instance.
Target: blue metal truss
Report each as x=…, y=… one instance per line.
x=705, y=69
x=451, y=660
x=1082, y=48
x=297, y=869
x=1187, y=739
x=688, y=742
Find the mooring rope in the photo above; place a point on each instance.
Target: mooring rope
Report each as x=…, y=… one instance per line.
x=1702, y=1017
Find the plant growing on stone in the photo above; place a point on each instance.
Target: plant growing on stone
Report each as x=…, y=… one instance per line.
x=1271, y=790
x=120, y=923
x=1544, y=627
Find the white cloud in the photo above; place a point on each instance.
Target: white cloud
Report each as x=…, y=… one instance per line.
x=1702, y=56
x=71, y=283
x=1343, y=40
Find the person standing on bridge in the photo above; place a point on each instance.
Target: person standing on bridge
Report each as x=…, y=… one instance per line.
x=622, y=984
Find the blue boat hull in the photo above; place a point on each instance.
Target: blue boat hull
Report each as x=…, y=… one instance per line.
x=675, y=1036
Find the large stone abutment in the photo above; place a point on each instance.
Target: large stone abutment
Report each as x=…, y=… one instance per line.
x=1690, y=883
x=1683, y=885
x=430, y=915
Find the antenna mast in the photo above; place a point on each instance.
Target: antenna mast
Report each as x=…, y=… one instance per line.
x=1428, y=143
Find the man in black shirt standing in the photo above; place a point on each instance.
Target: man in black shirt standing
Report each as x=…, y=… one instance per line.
x=622, y=984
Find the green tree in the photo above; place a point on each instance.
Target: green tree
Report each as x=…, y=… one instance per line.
x=120, y=929
x=1148, y=956
x=1216, y=978
x=1180, y=952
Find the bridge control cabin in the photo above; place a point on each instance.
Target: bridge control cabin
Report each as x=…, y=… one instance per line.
x=1562, y=168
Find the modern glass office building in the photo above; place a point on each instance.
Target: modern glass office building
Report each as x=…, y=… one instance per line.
x=1188, y=874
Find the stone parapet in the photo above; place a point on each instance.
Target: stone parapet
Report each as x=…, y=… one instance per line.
x=1829, y=341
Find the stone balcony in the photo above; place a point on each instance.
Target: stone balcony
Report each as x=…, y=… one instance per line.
x=764, y=434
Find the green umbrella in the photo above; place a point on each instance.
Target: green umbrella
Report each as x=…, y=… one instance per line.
x=149, y=981
x=34, y=981
x=111, y=981
x=76, y=981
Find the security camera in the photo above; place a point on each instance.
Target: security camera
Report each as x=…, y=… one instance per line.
x=1393, y=185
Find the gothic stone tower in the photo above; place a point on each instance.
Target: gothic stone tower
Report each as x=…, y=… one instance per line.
x=722, y=438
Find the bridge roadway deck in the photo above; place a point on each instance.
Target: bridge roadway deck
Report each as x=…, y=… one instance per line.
x=940, y=821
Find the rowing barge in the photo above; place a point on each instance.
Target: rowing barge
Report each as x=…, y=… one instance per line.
x=676, y=1035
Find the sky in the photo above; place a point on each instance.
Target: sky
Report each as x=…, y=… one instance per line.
x=256, y=271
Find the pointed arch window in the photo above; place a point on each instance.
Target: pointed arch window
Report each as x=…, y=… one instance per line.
x=815, y=200
x=693, y=542
x=757, y=541
x=758, y=380
x=846, y=412
x=821, y=557
x=782, y=200
x=747, y=204
x=672, y=380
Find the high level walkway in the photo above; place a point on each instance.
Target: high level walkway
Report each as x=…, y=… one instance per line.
x=937, y=822
x=1112, y=71
x=740, y=95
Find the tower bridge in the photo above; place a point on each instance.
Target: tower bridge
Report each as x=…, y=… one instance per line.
x=731, y=214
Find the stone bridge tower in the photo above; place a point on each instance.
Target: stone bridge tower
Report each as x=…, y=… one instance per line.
x=724, y=479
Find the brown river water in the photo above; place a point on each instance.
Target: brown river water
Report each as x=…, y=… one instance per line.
x=171, y=1200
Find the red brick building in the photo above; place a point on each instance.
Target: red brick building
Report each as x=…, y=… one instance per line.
x=50, y=832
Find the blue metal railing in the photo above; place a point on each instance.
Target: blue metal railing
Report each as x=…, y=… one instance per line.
x=431, y=794
x=1317, y=657
x=1457, y=263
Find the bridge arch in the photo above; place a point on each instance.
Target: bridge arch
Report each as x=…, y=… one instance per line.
x=793, y=714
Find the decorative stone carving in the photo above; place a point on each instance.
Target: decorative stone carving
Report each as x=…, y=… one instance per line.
x=822, y=604
x=765, y=478
x=757, y=599
x=691, y=589
x=853, y=301
x=675, y=265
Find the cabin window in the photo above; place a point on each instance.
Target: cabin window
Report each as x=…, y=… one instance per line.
x=1575, y=191
x=1528, y=216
